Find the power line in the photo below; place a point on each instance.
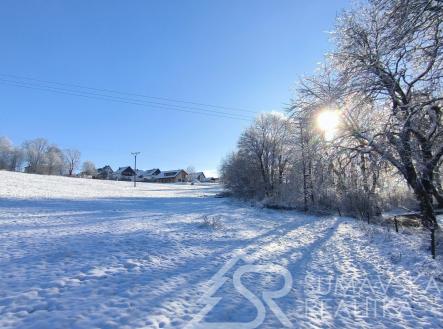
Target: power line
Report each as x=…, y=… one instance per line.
x=130, y=94
x=151, y=105
x=117, y=98
x=156, y=104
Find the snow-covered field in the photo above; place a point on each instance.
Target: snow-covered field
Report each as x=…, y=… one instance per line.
x=78, y=253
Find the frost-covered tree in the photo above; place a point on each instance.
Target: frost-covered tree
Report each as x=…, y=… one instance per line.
x=54, y=161
x=385, y=76
x=72, y=159
x=88, y=168
x=43, y=158
x=35, y=155
x=263, y=157
x=389, y=54
x=11, y=157
x=17, y=158
x=5, y=152
x=6, y=149
x=334, y=169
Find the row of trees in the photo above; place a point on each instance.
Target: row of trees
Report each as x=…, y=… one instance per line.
x=286, y=162
x=38, y=156
x=381, y=88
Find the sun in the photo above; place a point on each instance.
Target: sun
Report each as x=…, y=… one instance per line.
x=327, y=121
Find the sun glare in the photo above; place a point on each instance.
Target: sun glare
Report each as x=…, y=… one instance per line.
x=327, y=122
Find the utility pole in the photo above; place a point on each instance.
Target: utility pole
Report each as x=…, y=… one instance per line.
x=135, y=166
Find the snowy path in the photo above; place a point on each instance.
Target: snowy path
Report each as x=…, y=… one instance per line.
x=85, y=254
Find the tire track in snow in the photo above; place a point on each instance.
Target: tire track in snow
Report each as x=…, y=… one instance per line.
x=347, y=283
x=289, y=245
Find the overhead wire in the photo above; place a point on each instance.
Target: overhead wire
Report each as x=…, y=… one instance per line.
x=109, y=94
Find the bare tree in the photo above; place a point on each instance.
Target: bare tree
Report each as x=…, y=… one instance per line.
x=72, y=158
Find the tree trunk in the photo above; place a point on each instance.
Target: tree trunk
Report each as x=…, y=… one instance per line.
x=427, y=209
x=311, y=183
x=433, y=243
x=303, y=156
x=364, y=173
x=438, y=196
x=437, y=188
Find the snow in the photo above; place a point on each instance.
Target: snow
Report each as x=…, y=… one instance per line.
x=78, y=253
x=169, y=173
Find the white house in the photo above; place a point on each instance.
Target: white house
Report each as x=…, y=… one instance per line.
x=147, y=175
x=197, y=177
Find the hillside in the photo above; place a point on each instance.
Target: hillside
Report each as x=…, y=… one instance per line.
x=99, y=254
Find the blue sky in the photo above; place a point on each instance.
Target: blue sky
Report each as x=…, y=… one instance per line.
x=244, y=54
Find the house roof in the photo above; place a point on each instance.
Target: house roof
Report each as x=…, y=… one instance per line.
x=150, y=172
x=105, y=168
x=170, y=173
x=196, y=175
x=122, y=169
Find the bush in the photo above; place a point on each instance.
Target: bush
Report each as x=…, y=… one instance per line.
x=211, y=222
